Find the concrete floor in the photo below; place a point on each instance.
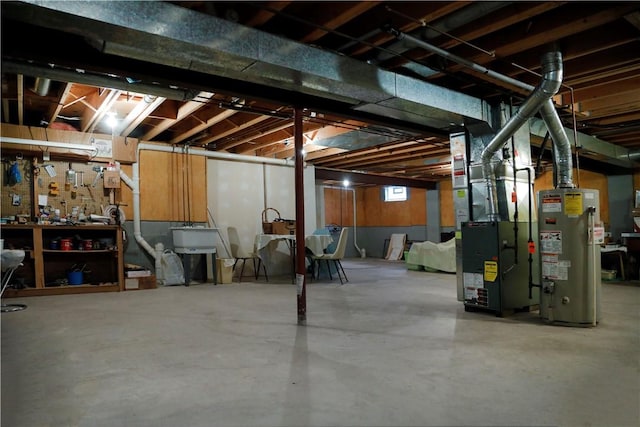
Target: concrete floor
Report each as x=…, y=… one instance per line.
x=391, y=347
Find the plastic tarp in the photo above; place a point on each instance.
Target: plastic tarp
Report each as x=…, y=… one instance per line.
x=435, y=256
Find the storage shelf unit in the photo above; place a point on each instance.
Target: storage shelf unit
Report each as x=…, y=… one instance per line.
x=44, y=270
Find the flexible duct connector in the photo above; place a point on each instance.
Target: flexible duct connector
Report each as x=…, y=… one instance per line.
x=564, y=161
x=549, y=86
x=548, y=112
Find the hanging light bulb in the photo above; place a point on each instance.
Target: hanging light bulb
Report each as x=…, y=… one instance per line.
x=111, y=119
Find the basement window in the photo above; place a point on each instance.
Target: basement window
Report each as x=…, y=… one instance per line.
x=395, y=194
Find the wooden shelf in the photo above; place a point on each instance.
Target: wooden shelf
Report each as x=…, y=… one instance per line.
x=44, y=271
x=76, y=251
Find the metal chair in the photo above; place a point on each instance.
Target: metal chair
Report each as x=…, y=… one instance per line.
x=239, y=254
x=334, y=256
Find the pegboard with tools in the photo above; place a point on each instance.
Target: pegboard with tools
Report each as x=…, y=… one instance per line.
x=71, y=189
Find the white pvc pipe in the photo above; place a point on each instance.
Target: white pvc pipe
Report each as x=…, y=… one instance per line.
x=157, y=252
x=215, y=155
x=355, y=243
x=134, y=184
x=70, y=146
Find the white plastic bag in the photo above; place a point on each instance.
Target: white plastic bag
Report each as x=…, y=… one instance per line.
x=172, y=269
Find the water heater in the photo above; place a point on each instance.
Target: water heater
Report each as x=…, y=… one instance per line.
x=570, y=235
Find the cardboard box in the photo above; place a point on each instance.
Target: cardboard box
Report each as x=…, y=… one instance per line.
x=285, y=226
x=111, y=179
x=137, y=283
x=137, y=273
x=224, y=270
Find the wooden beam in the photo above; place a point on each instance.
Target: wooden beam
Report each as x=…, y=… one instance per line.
x=20, y=89
x=338, y=15
x=375, y=179
x=184, y=111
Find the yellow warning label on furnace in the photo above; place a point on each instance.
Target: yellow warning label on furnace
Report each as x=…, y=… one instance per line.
x=573, y=204
x=490, y=271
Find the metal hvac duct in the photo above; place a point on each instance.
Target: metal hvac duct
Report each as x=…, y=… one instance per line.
x=548, y=111
x=152, y=32
x=564, y=162
x=41, y=86
x=551, y=80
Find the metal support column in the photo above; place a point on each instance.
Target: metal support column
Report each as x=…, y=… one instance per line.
x=300, y=240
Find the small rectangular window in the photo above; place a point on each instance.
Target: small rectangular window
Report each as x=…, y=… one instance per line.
x=395, y=194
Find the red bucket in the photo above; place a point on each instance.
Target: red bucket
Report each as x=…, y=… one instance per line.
x=65, y=244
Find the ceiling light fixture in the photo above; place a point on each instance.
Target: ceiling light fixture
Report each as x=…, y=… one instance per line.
x=111, y=119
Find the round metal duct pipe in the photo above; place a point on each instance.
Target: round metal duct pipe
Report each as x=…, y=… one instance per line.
x=41, y=86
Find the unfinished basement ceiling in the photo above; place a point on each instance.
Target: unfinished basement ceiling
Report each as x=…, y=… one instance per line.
x=227, y=75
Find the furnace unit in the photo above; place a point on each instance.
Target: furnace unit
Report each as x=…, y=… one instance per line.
x=500, y=263
x=497, y=271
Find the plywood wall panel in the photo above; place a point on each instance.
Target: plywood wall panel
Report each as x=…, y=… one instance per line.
x=373, y=211
x=339, y=207
x=418, y=206
x=124, y=149
x=172, y=187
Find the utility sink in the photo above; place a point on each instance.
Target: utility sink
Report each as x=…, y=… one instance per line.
x=194, y=240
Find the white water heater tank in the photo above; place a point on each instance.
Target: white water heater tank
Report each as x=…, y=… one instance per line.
x=570, y=234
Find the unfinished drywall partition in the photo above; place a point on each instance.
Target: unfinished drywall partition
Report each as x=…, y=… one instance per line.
x=238, y=192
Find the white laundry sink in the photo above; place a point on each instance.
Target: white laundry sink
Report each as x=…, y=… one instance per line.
x=194, y=240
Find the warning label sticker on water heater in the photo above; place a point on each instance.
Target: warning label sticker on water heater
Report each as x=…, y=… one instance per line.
x=555, y=268
x=551, y=242
x=552, y=203
x=573, y=204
